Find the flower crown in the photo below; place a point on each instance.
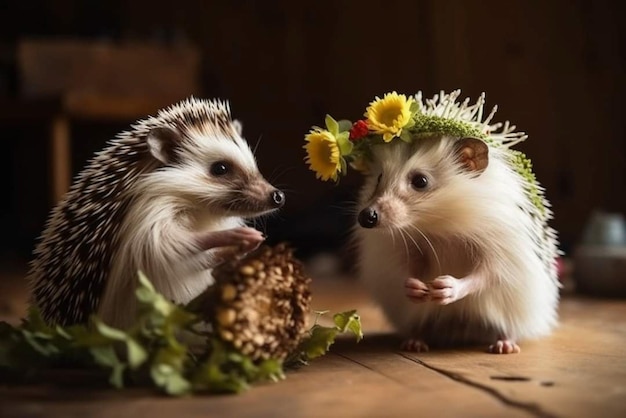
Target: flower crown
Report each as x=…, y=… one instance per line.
x=398, y=117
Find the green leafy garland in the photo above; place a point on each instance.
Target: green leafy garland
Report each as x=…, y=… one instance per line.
x=152, y=351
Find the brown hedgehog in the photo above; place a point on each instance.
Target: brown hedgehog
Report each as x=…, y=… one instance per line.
x=162, y=197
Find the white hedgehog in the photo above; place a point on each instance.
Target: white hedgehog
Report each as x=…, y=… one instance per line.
x=160, y=198
x=454, y=241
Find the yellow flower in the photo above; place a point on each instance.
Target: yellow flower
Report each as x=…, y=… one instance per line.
x=387, y=116
x=323, y=154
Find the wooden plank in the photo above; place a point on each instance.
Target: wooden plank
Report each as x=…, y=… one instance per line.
x=578, y=372
x=334, y=386
x=432, y=393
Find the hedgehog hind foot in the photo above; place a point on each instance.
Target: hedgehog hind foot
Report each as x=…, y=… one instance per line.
x=415, y=345
x=504, y=346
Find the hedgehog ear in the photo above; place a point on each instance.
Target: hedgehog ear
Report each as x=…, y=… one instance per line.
x=238, y=126
x=473, y=154
x=162, y=142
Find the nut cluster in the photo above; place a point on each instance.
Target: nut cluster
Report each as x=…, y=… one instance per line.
x=261, y=302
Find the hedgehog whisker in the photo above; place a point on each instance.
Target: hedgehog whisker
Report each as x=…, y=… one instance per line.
x=344, y=207
x=406, y=245
x=393, y=237
x=415, y=243
x=430, y=244
x=258, y=141
x=276, y=175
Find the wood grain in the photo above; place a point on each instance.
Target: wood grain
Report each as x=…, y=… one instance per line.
x=577, y=372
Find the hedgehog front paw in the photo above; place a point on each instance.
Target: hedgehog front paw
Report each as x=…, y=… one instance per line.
x=445, y=290
x=414, y=345
x=416, y=290
x=244, y=238
x=247, y=239
x=504, y=346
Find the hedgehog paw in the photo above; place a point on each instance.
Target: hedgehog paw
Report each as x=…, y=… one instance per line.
x=245, y=238
x=416, y=290
x=504, y=346
x=414, y=345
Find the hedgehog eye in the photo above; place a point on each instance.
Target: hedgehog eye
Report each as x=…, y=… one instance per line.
x=220, y=168
x=419, y=181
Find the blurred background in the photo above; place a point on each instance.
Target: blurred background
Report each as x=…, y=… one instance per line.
x=73, y=73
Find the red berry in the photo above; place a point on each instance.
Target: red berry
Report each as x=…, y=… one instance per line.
x=359, y=130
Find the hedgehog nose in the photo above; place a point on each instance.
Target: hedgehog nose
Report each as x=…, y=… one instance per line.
x=277, y=198
x=368, y=218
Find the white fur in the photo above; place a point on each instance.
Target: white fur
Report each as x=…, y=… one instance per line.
x=172, y=205
x=464, y=225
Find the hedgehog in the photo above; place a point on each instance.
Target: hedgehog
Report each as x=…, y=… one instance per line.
x=170, y=197
x=452, y=233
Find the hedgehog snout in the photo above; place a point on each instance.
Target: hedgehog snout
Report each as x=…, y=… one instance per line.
x=277, y=198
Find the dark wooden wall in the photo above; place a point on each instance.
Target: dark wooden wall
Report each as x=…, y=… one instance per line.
x=555, y=68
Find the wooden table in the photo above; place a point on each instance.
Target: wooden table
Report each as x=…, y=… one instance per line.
x=580, y=371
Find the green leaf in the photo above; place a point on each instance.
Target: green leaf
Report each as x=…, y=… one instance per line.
x=41, y=345
x=332, y=125
x=409, y=124
x=137, y=355
x=106, y=357
x=321, y=338
x=145, y=283
x=174, y=356
x=145, y=292
x=108, y=332
x=145, y=295
x=247, y=366
x=116, y=379
x=343, y=165
x=211, y=374
x=344, y=143
x=169, y=379
x=350, y=321
x=177, y=385
x=60, y=331
x=405, y=135
x=35, y=322
x=344, y=125
x=414, y=108
x=84, y=337
x=271, y=369
x=319, y=341
x=180, y=317
x=150, y=299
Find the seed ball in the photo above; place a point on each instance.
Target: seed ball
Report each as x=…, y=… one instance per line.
x=264, y=302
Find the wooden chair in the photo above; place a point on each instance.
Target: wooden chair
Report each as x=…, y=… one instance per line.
x=64, y=80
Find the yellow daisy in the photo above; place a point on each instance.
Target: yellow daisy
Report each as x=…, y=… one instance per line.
x=387, y=116
x=323, y=154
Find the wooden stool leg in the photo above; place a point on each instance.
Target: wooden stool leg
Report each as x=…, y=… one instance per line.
x=61, y=157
